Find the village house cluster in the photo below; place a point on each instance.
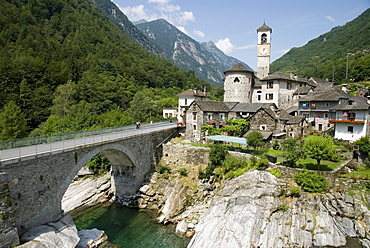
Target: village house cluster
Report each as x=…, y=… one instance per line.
x=278, y=105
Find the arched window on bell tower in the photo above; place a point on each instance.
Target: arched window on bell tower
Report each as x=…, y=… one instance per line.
x=263, y=38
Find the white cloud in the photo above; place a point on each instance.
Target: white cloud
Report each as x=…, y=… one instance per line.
x=246, y=47
x=225, y=45
x=182, y=29
x=169, y=8
x=135, y=13
x=198, y=33
x=330, y=18
x=186, y=16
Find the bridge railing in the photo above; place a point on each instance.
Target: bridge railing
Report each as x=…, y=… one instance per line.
x=32, y=151
x=15, y=143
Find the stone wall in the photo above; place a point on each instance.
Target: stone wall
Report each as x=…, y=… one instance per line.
x=186, y=154
x=8, y=231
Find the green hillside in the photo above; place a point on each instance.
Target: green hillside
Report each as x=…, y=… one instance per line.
x=66, y=63
x=325, y=56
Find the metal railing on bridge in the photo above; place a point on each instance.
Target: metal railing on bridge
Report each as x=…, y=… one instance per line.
x=31, y=147
x=15, y=143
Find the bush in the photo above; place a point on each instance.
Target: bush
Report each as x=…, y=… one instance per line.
x=183, y=171
x=99, y=164
x=217, y=154
x=311, y=182
x=295, y=191
x=163, y=169
x=262, y=164
x=276, y=172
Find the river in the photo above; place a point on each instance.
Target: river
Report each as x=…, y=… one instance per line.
x=127, y=227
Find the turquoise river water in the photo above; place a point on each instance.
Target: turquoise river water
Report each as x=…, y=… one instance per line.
x=127, y=227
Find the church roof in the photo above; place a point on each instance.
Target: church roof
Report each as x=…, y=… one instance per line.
x=239, y=67
x=264, y=27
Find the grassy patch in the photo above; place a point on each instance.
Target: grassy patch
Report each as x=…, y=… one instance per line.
x=311, y=164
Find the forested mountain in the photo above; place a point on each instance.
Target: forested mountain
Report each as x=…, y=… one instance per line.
x=65, y=65
x=326, y=56
x=121, y=20
x=205, y=59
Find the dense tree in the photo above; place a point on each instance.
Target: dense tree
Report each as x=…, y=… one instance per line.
x=13, y=124
x=292, y=151
x=318, y=148
x=254, y=139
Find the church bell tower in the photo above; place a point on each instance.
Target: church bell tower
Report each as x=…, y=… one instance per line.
x=263, y=52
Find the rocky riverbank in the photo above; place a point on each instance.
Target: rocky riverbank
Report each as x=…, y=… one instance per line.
x=251, y=210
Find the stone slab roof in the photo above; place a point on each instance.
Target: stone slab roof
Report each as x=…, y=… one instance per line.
x=325, y=94
x=288, y=77
x=212, y=106
x=193, y=92
x=249, y=107
x=353, y=103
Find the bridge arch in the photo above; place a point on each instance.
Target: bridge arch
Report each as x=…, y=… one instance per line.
x=117, y=154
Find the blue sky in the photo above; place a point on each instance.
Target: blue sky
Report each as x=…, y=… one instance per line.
x=232, y=24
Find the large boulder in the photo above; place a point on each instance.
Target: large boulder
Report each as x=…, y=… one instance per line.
x=249, y=211
x=56, y=234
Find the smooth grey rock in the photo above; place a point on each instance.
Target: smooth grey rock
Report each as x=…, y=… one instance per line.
x=247, y=212
x=91, y=238
x=56, y=234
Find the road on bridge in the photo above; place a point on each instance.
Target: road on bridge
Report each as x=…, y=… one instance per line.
x=29, y=152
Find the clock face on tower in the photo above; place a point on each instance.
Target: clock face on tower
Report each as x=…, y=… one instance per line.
x=263, y=50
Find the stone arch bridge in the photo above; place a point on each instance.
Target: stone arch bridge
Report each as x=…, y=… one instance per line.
x=33, y=182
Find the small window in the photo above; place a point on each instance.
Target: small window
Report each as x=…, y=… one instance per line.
x=327, y=104
x=258, y=97
x=236, y=80
x=222, y=116
x=269, y=96
x=209, y=116
x=186, y=101
x=270, y=85
x=350, y=129
x=263, y=127
x=194, y=116
x=305, y=105
x=289, y=85
x=194, y=127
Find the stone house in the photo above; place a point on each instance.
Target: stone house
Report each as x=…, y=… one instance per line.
x=351, y=119
x=185, y=100
x=201, y=112
x=316, y=105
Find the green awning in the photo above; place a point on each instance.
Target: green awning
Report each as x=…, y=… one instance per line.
x=230, y=139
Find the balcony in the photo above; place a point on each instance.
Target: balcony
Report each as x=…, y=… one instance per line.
x=349, y=120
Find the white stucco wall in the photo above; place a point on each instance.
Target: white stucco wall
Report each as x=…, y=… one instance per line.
x=341, y=131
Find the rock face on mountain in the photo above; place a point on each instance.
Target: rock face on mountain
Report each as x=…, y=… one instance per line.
x=248, y=212
x=205, y=59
